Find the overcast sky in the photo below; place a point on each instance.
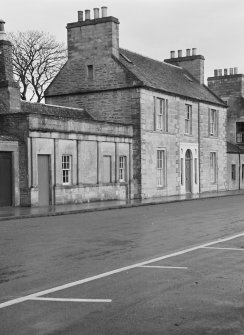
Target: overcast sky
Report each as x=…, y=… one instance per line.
x=148, y=27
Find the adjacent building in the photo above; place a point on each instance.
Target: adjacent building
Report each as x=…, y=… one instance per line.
x=228, y=84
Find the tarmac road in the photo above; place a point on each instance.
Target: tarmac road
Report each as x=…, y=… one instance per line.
x=147, y=270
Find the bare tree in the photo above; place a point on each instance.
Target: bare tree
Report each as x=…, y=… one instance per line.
x=37, y=58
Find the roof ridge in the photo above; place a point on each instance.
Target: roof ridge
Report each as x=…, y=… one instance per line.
x=150, y=58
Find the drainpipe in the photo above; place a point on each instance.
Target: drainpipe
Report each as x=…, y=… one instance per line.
x=239, y=171
x=199, y=154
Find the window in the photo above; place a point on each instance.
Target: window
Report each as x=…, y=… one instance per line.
x=90, y=72
x=161, y=114
x=239, y=132
x=213, y=122
x=182, y=171
x=107, y=169
x=161, y=168
x=233, y=171
x=195, y=170
x=122, y=168
x=242, y=171
x=188, y=120
x=66, y=169
x=213, y=167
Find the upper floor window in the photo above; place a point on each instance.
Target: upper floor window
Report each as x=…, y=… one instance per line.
x=213, y=122
x=161, y=168
x=122, y=168
x=161, y=114
x=90, y=72
x=240, y=132
x=188, y=120
x=66, y=169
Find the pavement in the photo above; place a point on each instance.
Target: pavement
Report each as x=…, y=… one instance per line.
x=12, y=213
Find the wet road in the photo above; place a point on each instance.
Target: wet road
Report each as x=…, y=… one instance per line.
x=197, y=292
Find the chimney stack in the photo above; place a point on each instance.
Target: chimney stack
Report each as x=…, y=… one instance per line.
x=104, y=11
x=96, y=13
x=225, y=72
x=216, y=73
x=235, y=70
x=231, y=71
x=80, y=15
x=87, y=14
x=220, y=72
x=192, y=63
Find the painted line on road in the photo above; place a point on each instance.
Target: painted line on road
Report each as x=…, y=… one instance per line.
x=70, y=300
x=119, y=270
x=219, y=248
x=162, y=267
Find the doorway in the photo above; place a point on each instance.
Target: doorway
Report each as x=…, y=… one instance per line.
x=188, y=171
x=5, y=178
x=44, y=180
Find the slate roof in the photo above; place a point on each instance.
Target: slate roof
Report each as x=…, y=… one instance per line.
x=166, y=77
x=55, y=111
x=234, y=149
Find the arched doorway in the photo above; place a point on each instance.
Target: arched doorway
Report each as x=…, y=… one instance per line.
x=188, y=171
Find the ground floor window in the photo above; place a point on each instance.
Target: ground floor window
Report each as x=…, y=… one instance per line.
x=122, y=168
x=233, y=171
x=161, y=168
x=213, y=167
x=66, y=169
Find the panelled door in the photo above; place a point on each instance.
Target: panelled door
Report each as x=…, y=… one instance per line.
x=5, y=178
x=188, y=170
x=44, y=180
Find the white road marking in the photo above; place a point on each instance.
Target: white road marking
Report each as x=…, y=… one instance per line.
x=162, y=267
x=219, y=248
x=71, y=300
x=110, y=273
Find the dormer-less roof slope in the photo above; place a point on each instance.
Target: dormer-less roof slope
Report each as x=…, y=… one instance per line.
x=166, y=77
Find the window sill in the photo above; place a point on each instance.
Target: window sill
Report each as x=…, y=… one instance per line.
x=189, y=135
x=161, y=187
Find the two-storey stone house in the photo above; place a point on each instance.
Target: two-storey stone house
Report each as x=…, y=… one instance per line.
x=179, y=133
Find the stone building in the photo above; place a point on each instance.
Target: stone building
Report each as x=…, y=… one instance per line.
x=229, y=85
x=54, y=155
x=179, y=133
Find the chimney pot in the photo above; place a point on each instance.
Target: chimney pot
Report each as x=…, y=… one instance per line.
x=87, y=14
x=80, y=15
x=235, y=70
x=225, y=72
x=172, y=54
x=231, y=71
x=2, y=25
x=194, y=51
x=188, y=52
x=179, y=53
x=216, y=73
x=96, y=13
x=104, y=11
